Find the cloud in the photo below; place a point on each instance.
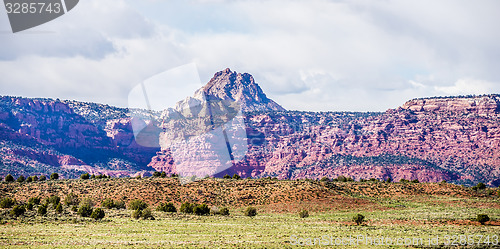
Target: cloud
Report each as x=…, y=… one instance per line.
x=308, y=55
x=468, y=86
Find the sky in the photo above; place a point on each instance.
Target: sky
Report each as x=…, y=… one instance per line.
x=315, y=55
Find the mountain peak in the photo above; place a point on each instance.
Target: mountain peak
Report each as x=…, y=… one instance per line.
x=240, y=87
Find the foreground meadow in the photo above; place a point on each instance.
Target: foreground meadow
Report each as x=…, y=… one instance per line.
x=419, y=218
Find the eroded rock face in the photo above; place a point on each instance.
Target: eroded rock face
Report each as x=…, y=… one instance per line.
x=456, y=140
x=48, y=135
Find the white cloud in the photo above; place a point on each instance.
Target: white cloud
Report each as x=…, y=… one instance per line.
x=308, y=55
x=468, y=86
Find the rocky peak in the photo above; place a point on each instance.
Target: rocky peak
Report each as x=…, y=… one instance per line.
x=228, y=85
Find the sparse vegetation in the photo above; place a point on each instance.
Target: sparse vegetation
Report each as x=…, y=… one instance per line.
x=21, y=178
x=71, y=200
x=7, y=202
x=187, y=208
x=482, y=218
x=34, y=200
x=201, y=209
x=250, y=211
x=359, y=219
x=97, y=214
x=9, y=178
x=59, y=208
x=167, y=207
x=54, y=176
x=17, y=210
x=409, y=208
x=224, y=211
x=137, y=205
x=236, y=177
x=42, y=210
x=304, y=214
x=226, y=176
x=136, y=214
x=85, y=210
x=85, y=176
x=147, y=214
x=108, y=203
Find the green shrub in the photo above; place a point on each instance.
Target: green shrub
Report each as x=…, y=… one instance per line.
x=34, y=200
x=482, y=218
x=201, y=209
x=54, y=200
x=498, y=193
x=42, y=210
x=163, y=174
x=108, y=203
x=389, y=180
x=325, y=179
x=304, y=214
x=29, y=179
x=29, y=206
x=92, y=176
x=87, y=202
x=187, y=208
x=224, y=211
x=120, y=205
x=147, y=214
x=9, y=178
x=167, y=207
x=97, y=214
x=34, y=178
x=137, y=214
x=71, y=199
x=480, y=186
x=251, y=211
x=43, y=178
x=17, y=211
x=415, y=181
x=341, y=179
x=358, y=218
x=236, y=177
x=7, y=202
x=137, y=205
x=403, y=180
x=85, y=210
x=226, y=176
x=59, y=208
x=21, y=178
x=54, y=176
x=85, y=176
x=156, y=174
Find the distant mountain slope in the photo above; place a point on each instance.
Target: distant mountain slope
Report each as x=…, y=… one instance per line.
x=455, y=139
x=41, y=136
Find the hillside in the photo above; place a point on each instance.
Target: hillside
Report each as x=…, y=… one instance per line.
x=273, y=195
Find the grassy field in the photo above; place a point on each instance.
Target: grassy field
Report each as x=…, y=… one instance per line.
x=445, y=216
